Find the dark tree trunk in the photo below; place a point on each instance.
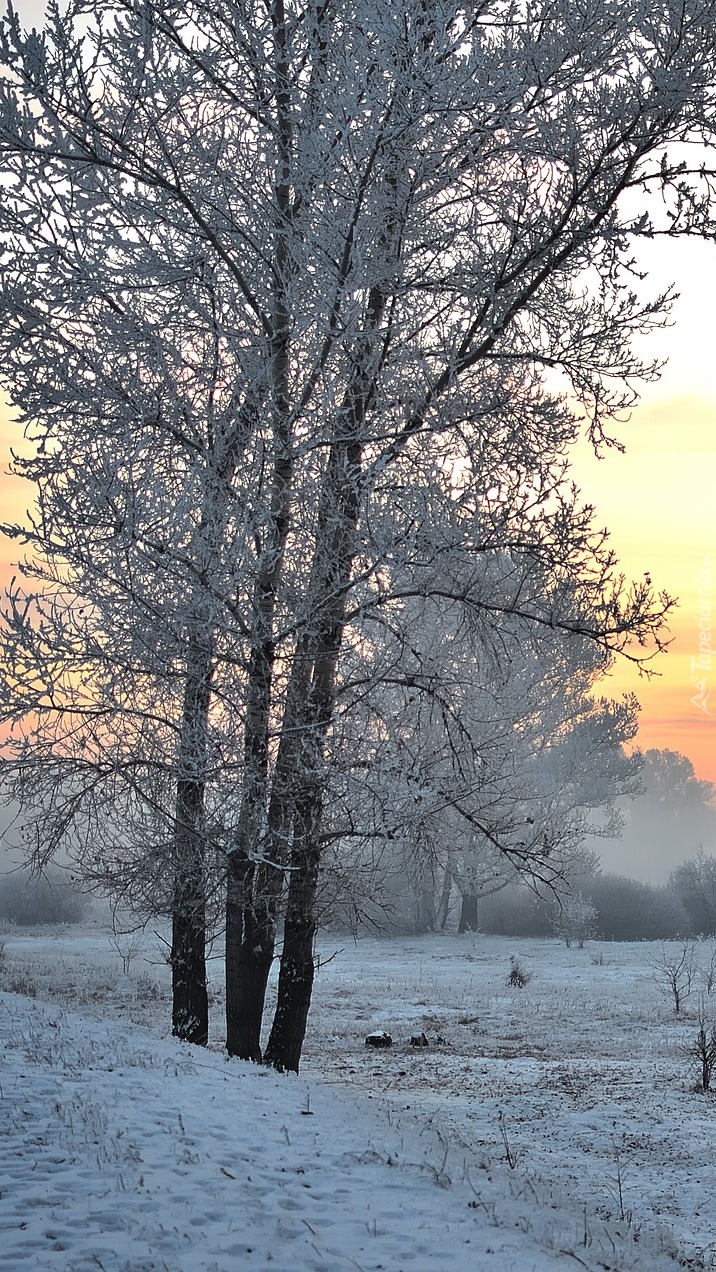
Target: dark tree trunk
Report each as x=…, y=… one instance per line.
x=444, y=906
x=326, y=606
x=238, y=883
x=295, y=984
x=251, y=906
x=252, y=972
x=468, y=913
x=307, y=783
x=253, y=931
x=190, y=1005
x=424, y=909
x=190, y=1009
x=252, y=891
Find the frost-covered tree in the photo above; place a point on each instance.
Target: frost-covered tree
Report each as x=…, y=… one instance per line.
x=694, y=882
x=482, y=749
x=418, y=222
x=575, y=919
x=113, y=657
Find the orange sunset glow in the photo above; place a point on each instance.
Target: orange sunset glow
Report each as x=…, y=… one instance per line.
x=658, y=501
x=13, y=491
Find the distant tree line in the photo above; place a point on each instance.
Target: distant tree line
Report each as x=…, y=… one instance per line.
x=439, y=880
x=626, y=909
x=35, y=900
x=612, y=907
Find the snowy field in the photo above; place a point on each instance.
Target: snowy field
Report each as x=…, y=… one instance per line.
x=554, y=1126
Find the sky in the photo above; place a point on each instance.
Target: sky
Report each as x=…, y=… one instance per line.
x=658, y=500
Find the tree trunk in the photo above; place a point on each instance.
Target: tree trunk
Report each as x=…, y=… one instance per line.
x=239, y=872
x=444, y=906
x=190, y=1006
x=295, y=983
x=251, y=905
x=316, y=665
x=255, y=953
x=468, y=912
x=424, y=908
x=306, y=787
x=253, y=966
x=251, y=929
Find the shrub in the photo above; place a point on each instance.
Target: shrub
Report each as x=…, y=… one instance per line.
x=695, y=883
x=21, y=983
x=515, y=911
x=518, y=977
x=709, y=973
x=628, y=910
x=574, y=919
x=52, y=897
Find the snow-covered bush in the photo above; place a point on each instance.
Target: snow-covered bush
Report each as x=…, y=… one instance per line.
x=128, y=944
x=574, y=919
x=518, y=977
x=19, y=982
x=628, y=910
x=694, y=881
x=709, y=972
x=515, y=911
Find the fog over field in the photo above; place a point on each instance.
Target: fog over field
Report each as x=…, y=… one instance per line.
x=652, y=859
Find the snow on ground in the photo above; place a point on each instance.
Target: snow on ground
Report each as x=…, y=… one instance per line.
x=553, y=1126
x=119, y=1151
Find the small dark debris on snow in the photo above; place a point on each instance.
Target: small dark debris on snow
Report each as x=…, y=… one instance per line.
x=419, y=1040
x=379, y=1038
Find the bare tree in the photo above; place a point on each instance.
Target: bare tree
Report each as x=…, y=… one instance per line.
x=702, y=1050
x=484, y=752
x=675, y=971
x=116, y=638
x=670, y=815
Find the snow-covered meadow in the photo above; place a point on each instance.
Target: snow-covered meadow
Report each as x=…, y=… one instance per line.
x=557, y=1125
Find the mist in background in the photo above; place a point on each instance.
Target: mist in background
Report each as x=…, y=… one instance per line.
x=668, y=823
